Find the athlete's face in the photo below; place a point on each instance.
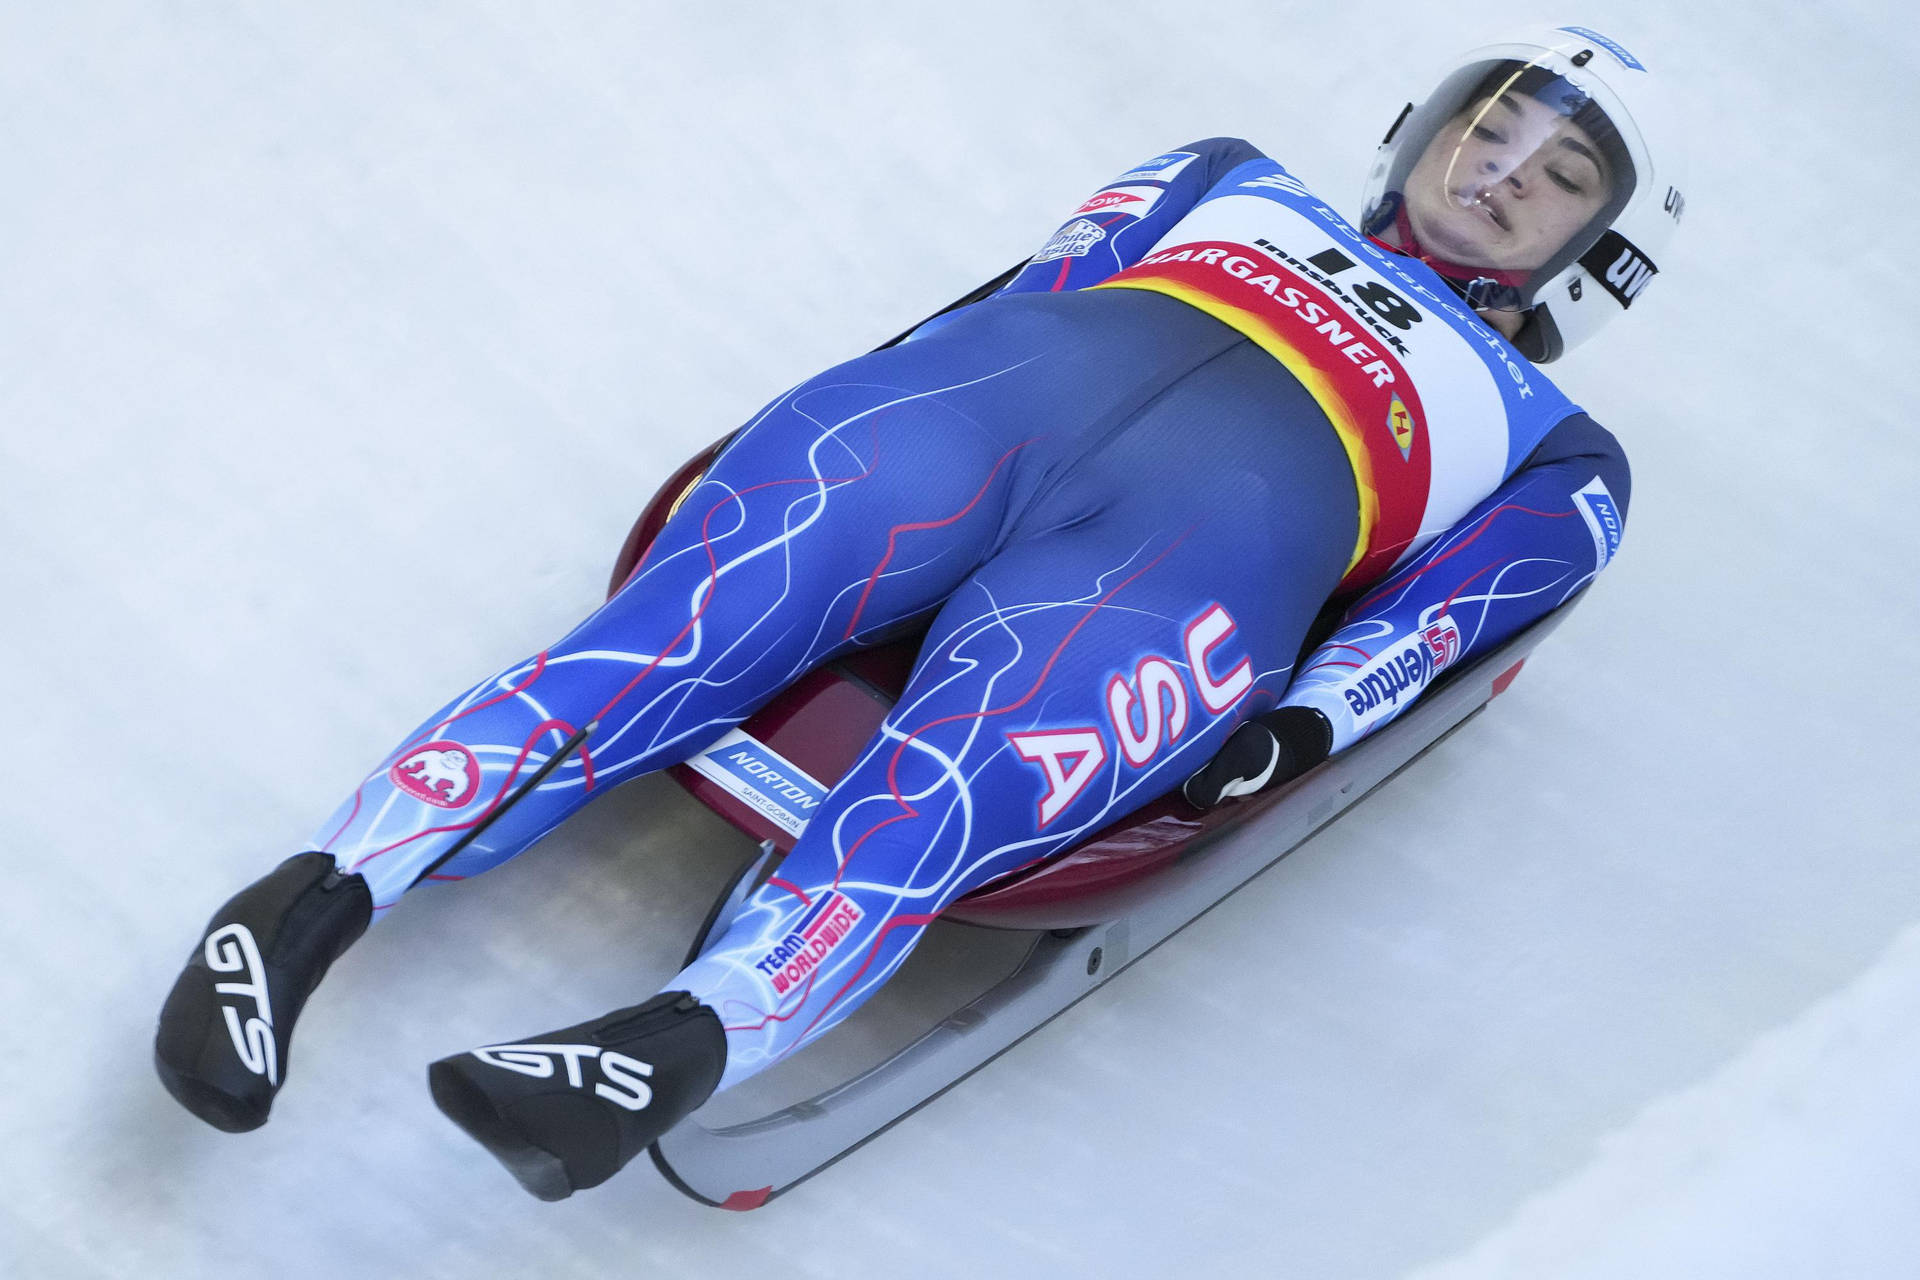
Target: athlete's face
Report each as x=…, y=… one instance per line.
x=1505, y=184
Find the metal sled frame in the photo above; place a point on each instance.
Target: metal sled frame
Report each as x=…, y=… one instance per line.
x=743, y=1165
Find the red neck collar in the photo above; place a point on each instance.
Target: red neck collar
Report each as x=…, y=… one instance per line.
x=1411, y=247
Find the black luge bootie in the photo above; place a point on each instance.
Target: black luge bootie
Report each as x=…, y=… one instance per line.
x=222, y=1047
x=567, y=1110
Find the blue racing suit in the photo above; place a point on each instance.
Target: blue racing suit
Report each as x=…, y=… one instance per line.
x=1120, y=493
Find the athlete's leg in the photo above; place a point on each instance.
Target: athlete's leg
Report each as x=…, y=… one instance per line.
x=861, y=499
x=858, y=500
x=1151, y=600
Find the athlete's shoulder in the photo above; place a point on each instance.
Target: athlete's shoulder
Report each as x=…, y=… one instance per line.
x=1209, y=159
x=1578, y=436
x=1232, y=150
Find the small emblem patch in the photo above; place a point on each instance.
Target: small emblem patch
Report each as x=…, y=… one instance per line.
x=440, y=773
x=1400, y=422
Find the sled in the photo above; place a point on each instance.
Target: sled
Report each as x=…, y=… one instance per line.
x=1075, y=920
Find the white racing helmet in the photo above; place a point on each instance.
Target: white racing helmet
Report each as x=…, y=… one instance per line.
x=1555, y=105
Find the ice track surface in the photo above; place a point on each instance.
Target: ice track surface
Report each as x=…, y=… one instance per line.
x=341, y=344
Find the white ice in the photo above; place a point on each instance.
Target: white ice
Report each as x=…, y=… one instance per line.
x=340, y=342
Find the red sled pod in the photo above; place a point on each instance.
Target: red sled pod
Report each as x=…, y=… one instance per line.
x=1075, y=920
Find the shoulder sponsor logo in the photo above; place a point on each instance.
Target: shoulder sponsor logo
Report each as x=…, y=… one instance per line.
x=1162, y=168
x=754, y=773
x=1620, y=55
x=1131, y=200
x=231, y=949
x=819, y=934
x=1376, y=690
x=441, y=773
x=624, y=1078
x=1071, y=241
x=1602, y=514
x=1282, y=181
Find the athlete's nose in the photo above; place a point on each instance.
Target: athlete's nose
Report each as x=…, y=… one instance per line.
x=1505, y=171
x=1509, y=176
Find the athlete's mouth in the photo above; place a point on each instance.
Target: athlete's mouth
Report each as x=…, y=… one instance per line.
x=1486, y=202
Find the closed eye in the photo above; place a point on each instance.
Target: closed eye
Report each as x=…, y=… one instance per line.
x=1578, y=148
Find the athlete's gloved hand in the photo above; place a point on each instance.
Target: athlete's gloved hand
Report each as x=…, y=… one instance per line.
x=1272, y=748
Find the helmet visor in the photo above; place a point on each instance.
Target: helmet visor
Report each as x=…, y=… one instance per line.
x=1509, y=172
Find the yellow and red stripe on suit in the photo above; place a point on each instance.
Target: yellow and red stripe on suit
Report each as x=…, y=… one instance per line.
x=1358, y=383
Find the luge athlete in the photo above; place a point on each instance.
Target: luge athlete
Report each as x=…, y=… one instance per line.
x=1122, y=487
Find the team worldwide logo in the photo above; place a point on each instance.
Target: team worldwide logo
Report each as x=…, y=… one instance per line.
x=441, y=773
x=820, y=932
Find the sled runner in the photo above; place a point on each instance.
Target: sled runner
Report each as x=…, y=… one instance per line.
x=1088, y=913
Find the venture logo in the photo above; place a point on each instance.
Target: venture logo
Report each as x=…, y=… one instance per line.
x=1443, y=638
x=231, y=949
x=623, y=1080
x=1375, y=690
x=819, y=933
x=443, y=774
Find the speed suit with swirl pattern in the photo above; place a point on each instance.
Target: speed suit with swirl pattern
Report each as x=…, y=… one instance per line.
x=1120, y=514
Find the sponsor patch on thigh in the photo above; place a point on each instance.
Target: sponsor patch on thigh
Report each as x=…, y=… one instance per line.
x=819, y=934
